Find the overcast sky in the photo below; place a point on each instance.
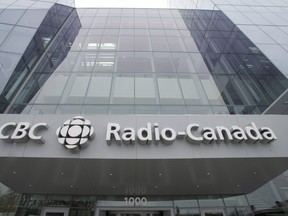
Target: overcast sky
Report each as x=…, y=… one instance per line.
x=122, y=3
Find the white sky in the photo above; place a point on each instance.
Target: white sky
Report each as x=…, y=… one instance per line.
x=122, y=3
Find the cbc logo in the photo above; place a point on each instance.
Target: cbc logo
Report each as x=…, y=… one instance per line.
x=75, y=133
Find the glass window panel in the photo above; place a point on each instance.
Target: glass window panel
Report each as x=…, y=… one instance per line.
x=169, y=23
x=112, y=32
x=211, y=202
x=188, y=212
x=92, y=43
x=211, y=89
x=109, y=43
x=155, y=23
x=128, y=12
x=184, y=33
x=283, y=15
x=257, y=18
x=115, y=12
x=75, y=89
x=153, y=13
x=157, y=32
x=199, y=63
x=126, y=43
x=11, y=16
x=165, y=13
x=52, y=89
x=276, y=54
x=142, y=44
x=186, y=203
x=199, y=110
x=129, y=32
x=95, y=31
x=276, y=34
x=43, y=109
x=92, y=109
x=142, y=32
x=68, y=109
x=240, y=211
x=123, y=89
x=99, y=22
x=143, y=62
x=78, y=43
x=220, y=110
x=144, y=109
x=193, y=91
x=18, y=34
x=163, y=62
x=173, y=110
x=125, y=62
x=244, y=110
x=180, y=23
x=169, y=90
x=175, y=13
x=32, y=18
x=145, y=90
x=277, y=9
x=234, y=89
x=127, y=22
x=140, y=12
x=176, y=44
x=83, y=31
x=8, y=62
x=141, y=23
x=90, y=12
x=159, y=44
x=190, y=44
x=172, y=33
x=85, y=61
x=182, y=63
x=236, y=201
x=103, y=12
x=99, y=89
x=105, y=62
x=42, y=5
x=121, y=109
x=260, y=9
x=4, y=31
x=68, y=63
x=238, y=17
x=86, y=21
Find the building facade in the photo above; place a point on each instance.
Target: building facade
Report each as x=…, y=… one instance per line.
x=123, y=111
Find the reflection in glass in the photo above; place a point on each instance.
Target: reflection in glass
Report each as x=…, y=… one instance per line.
x=125, y=62
x=105, y=62
x=85, y=61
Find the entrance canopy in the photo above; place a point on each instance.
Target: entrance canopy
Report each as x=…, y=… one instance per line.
x=55, y=154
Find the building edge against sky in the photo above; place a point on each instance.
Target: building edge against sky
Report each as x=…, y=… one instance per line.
x=182, y=92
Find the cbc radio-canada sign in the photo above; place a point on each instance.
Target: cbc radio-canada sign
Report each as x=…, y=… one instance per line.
x=76, y=133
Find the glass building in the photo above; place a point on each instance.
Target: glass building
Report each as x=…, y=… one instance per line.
x=184, y=109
